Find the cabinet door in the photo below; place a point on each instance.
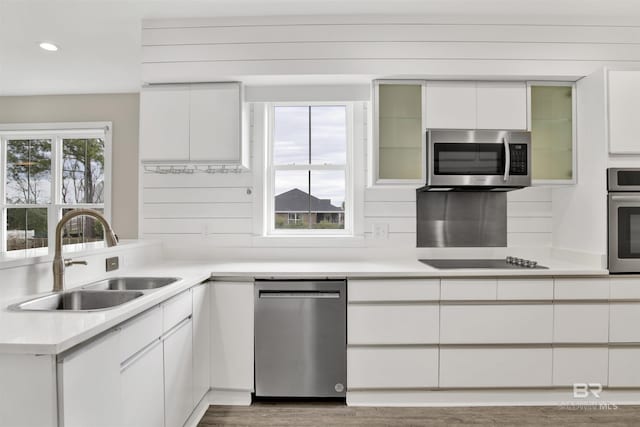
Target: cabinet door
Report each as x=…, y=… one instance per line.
x=580, y=365
x=215, y=122
x=201, y=340
x=178, y=374
x=392, y=367
x=232, y=335
x=451, y=105
x=164, y=123
x=143, y=388
x=501, y=105
x=399, y=130
x=624, y=104
x=495, y=367
x=552, y=132
x=87, y=374
x=496, y=324
x=624, y=367
x=392, y=324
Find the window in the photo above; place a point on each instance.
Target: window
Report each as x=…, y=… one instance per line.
x=47, y=173
x=308, y=174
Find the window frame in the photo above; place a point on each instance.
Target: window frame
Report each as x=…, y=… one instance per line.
x=270, y=173
x=57, y=133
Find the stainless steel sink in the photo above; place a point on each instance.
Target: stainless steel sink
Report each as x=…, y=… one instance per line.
x=79, y=300
x=131, y=283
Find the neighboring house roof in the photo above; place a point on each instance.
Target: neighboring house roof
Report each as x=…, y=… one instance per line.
x=298, y=201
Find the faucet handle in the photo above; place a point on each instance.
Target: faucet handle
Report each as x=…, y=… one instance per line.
x=68, y=262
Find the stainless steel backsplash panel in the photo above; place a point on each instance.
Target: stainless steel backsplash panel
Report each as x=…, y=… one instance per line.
x=461, y=219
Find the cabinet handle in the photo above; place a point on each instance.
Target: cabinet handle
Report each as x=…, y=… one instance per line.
x=137, y=356
x=300, y=294
x=507, y=159
x=175, y=328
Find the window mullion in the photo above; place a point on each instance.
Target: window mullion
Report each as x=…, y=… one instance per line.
x=3, y=196
x=53, y=212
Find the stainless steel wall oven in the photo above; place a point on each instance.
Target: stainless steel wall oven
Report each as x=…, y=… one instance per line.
x=624, y=220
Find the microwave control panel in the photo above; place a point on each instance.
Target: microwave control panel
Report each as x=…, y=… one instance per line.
x=519, y=161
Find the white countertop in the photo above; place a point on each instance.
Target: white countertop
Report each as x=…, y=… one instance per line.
x=31, y=332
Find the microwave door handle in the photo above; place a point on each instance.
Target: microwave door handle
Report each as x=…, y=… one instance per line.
x=507, y=159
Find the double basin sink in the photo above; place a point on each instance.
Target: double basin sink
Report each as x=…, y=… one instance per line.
x=100, y=295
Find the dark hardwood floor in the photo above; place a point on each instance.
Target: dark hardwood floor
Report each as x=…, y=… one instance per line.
x=336, y=414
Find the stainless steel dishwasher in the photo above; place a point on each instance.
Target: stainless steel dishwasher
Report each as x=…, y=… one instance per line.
x=300, y=338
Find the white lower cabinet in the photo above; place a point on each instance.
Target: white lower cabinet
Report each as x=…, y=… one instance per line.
x=495, y=367
x=379, y=367
x=580, y=365
x=581, y=323
x=143, y=387
x=178, y=374
x=624, y=366
x=393, y=324
x=624, y=321
x=89, y=384
x=201, y=341
x=496, y=324
x=232, y=335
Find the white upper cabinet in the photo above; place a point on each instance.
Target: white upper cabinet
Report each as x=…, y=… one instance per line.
x=197, y=123
x=476, y=105
x=215, y=122
x=501, y=105
x=164, y=123
x=624, y=104
x=451, y=105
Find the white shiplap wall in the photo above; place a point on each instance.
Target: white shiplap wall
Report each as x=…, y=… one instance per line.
x=188, y=50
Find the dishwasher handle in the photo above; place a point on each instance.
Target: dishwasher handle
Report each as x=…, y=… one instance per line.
x=299, y=294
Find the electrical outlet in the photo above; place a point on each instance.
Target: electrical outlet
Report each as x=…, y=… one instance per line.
x=112, y=263
x=204, y=229
x=380, y=230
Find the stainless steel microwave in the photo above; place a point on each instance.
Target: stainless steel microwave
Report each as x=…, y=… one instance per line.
x=624, y=220
x=478, y=160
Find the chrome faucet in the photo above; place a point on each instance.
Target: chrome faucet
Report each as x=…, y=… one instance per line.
x=58, y=262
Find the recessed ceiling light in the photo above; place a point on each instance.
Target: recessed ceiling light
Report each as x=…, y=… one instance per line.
x=48, y=46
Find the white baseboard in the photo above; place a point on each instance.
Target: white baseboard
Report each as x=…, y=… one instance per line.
x=445, y=398
x=230, y=397
x=198, y=412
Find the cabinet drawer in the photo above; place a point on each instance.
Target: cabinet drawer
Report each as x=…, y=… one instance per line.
x=393, y=290
x=588, y=288
x=468, y=289
x=495, y=367
x=625, y=288
x=525, y=289
x=175, y=310
x=492, y=324
x=392, y=368
x=624, y=367
x=581, y=323
x=580, y=365
x=139, y=332
x=392, y=324
x=624, y=321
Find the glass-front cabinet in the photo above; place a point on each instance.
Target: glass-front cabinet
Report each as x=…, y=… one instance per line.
x=552, y=125
x=398, y=146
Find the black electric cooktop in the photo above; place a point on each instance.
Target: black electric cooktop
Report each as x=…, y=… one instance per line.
x=504, y=264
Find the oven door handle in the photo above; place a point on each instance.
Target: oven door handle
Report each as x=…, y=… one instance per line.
x=626, y=198
x=507, y=159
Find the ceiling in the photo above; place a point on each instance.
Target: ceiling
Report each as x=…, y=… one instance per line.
x=100, y=39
